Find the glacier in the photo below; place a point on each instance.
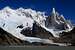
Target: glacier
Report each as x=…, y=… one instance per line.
x=10, y=19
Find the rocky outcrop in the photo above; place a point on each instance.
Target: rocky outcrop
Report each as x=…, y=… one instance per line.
x=8, y=39
x=66, y=37
x=37, y=31
x=69, y=36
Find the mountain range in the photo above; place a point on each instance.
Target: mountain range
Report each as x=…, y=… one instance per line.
x=34, y=26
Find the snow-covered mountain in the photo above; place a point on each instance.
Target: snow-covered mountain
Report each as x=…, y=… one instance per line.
x=58, y=23
x=14, y=21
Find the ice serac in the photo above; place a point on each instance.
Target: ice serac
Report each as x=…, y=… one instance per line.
x=14, y=21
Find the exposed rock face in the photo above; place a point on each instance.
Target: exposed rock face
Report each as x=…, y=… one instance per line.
x=57, y=21
x=36, y=31
x=8, y=39
x=66, y=37
x=69, y=36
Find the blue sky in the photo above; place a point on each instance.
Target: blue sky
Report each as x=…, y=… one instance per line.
x=65, y=7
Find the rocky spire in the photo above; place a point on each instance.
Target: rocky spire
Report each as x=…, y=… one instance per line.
x=53, y=15
x=53, y=11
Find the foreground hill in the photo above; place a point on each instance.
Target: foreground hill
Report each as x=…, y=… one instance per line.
x=8, y=39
